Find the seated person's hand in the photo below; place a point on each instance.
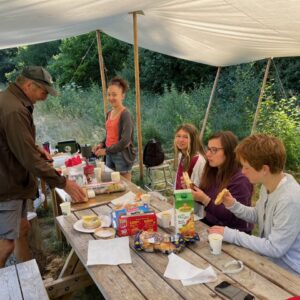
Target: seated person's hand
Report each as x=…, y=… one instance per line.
x=228, y=200
x=200, y=196
x=216, y=229
x=224, y=197
x=182, y=181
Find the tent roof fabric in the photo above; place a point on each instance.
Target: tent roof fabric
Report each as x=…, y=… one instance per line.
x=214, y=32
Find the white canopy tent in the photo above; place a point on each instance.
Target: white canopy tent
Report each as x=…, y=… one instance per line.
x=214, y=32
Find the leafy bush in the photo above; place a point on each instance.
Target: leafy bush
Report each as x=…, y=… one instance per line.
x=282, y=119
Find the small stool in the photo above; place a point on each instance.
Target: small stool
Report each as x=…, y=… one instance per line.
x=153, y=180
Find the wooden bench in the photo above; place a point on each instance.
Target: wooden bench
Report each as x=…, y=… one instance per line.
x=22, y=281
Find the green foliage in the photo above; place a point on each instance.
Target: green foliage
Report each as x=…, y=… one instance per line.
x=78, y=59
x=282, y=119
x=38, y=55
x=235, y=99
x=7, y=63
x=75, y=114
x=159, y=71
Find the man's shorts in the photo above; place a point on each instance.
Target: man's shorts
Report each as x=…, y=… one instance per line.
x=116, y=162
x=11, y=213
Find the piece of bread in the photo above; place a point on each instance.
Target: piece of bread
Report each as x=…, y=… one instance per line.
x=220, y=196
x=91, y=222
x=188, y=182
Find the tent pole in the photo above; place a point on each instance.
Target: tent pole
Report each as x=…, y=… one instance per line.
x=262, y=90
x=102, y=74
x=209, y=103
x=138, y=94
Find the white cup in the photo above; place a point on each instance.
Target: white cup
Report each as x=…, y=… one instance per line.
x=98, y=174
x=65, y=208
x=145, y=199
x=215, y=243
x=166, y=220
x=101, y=165
x=115, y=176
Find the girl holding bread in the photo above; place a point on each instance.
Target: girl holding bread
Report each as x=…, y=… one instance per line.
x=191, y=161
x=223, y=171
x=190, y=154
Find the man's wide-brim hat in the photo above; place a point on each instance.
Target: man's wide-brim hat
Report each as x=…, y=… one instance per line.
x=41, y=76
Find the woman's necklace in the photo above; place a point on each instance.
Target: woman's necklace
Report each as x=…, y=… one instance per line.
x=115, y=112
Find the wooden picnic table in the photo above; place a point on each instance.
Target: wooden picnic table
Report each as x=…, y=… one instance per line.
x=22, y=281
x=143, y=279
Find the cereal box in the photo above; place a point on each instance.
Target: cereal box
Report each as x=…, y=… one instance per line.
x=132, y=224
x=184, y=213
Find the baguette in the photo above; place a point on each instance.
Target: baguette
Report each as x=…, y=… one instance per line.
x=220, y=196
x=188, y=182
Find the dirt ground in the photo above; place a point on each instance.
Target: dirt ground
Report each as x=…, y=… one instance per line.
x=53, y=253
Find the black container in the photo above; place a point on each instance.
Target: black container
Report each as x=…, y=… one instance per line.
x=70, y=146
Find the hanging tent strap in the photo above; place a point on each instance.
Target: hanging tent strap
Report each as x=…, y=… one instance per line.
x=262, y=90
x=209, y=103
x=280, y=82
x=137, y=92
x=102, y=74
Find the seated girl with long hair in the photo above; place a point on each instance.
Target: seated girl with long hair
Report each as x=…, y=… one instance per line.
x=190, y=155
x=223, y=171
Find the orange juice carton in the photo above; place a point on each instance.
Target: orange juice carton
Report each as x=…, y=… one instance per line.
x=184, y=213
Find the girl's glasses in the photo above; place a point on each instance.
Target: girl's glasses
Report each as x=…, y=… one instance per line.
x=212, y=150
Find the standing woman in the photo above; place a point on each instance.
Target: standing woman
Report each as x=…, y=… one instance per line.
x=223, y=171
x=118, y=143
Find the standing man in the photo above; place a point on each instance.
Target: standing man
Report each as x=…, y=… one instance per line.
x=21, y=161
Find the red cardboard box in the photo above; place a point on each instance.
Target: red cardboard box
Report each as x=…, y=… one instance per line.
x=130, y=225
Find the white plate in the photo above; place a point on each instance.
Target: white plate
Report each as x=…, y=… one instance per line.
x=105, y=222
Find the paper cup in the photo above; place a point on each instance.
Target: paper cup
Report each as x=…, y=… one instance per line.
x=215, y=243
x=115, y=176
x=166, y=220
x=145, y=199
x=65, y=208
x=101, y=165
x=98, y=173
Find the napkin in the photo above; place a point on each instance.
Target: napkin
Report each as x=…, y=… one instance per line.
x=109, y=252
x=127, y=198
x=180, y=269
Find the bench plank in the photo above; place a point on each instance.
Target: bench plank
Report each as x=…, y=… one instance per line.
x=9, y=284
x=31, y=281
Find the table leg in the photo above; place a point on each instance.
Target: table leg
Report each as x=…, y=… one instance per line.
x=44, y=191
x=56, y=213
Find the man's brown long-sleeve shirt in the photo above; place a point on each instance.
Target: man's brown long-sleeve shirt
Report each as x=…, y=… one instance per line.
x=20, y=161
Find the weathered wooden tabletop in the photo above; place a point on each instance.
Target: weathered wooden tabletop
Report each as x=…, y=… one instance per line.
x=143, y=279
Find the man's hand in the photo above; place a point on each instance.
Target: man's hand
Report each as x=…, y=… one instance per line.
x=45, y=154
x=75, y=191
x=216, y=229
